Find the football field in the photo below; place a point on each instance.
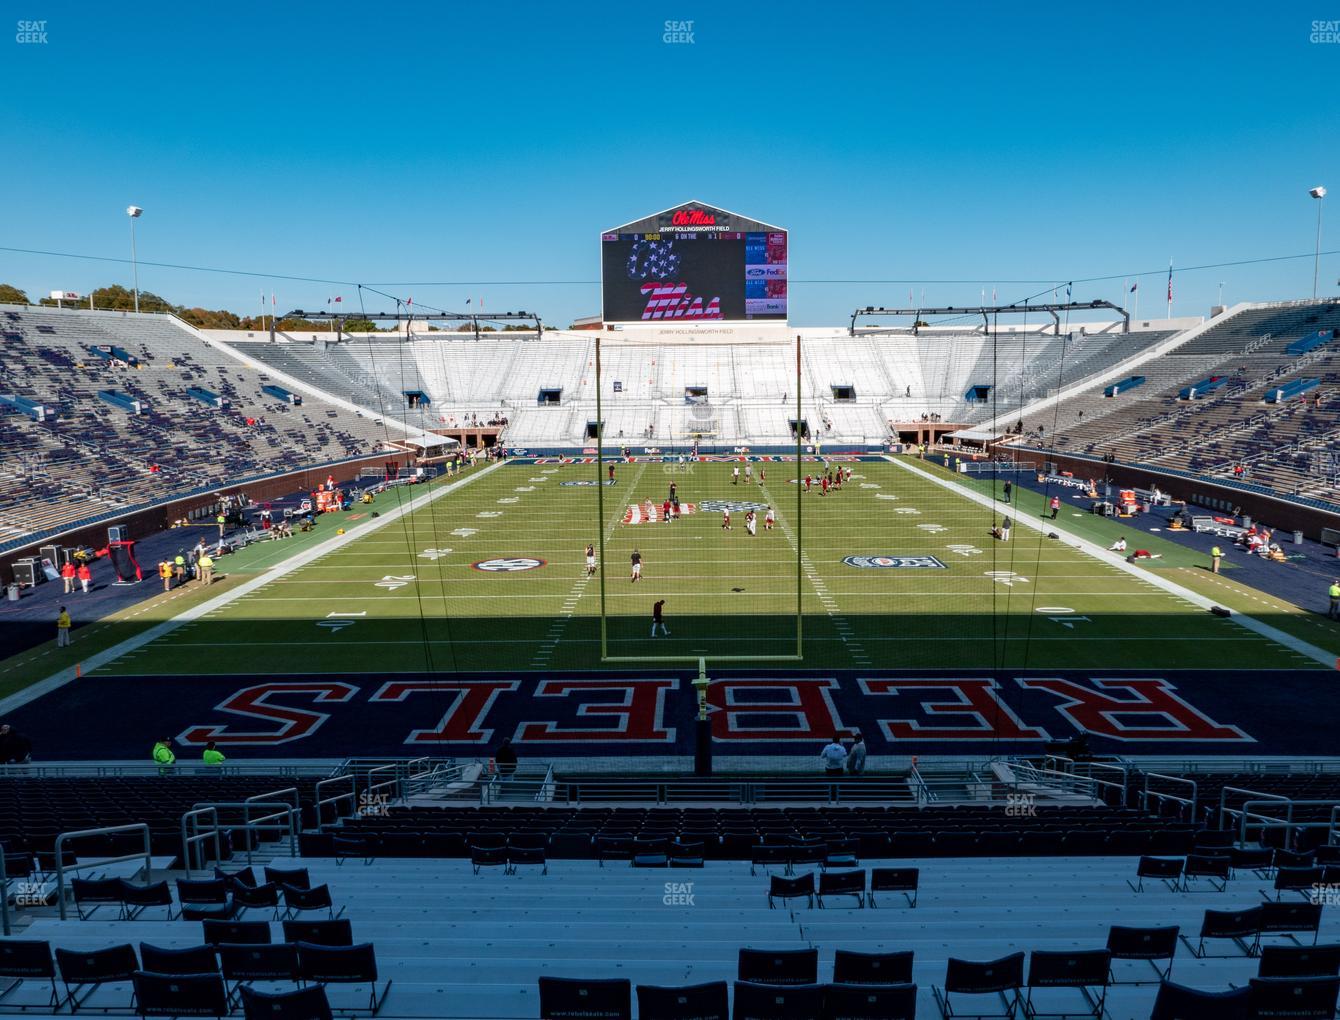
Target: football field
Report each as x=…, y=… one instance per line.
x=895, y=571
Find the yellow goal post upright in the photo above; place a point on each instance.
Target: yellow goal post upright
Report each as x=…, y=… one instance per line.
x=704, y=662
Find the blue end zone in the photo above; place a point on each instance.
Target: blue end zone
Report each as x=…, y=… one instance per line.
x=651, y=714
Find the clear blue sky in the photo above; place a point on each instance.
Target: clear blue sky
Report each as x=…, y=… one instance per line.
x=487, y=144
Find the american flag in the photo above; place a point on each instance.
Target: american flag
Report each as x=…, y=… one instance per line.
x=1170, y=282
x=654, y=260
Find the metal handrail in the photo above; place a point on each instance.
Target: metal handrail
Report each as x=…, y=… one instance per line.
x=4, y=893
x=394, y=782
x=106, y=830
x=1124, y=786
x=1146, y=793
x=292, y=823
x=1334, y=831
x=1223, y=800
x=1066, y=781
x=351, y=795
x=188, y=842
x=1287, y=823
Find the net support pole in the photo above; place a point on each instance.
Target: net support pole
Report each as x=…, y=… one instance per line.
x=600, y=507
x=800, y=515
x=702, y=725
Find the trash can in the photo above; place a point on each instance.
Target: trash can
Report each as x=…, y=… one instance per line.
x=12, y=592
x=1297, y=538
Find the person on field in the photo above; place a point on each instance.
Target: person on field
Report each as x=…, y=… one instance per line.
x=85, y=575
x=1334, y=593
x=590, y=559
x=856, y=755
x=1055, y=506
x=769, y=519
x=751, y=523
x=63, y=628
x=206, y=565
x=1216, y=554
x=163, y=756
x=658, y=618
x=67, y=575
x=1009, y=488
x=636, y=560
x=833, y=757
x=735, y=475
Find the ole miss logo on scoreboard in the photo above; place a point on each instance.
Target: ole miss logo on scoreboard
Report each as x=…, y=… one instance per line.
x=629, y=715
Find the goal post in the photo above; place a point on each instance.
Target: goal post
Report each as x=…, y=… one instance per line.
x=704, y=474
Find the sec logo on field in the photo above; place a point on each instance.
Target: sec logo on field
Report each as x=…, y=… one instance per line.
x=509, y=565
x=734, y=506
x=895, y=563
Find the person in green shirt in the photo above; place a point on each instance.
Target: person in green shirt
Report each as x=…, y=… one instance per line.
x=163, y=756
x=1216, y=554
x=212, y=755
x=1335, y=600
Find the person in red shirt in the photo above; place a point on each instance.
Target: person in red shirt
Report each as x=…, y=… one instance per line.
x=67, y=575
x=725, y=520
x=1055, y=505
x=807, y=483
x=823, y=486
x=84, y=574
x=665, y=512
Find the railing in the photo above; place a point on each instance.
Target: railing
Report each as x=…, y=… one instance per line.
x=1122, y=786
x=4, y=894
x=1146, y=793
x=1287, y=823
x=919, y=787
x=321, y=790
x=1054, y=781
x=1253, y=795
x=57, y=769
x=192, y=834
x=101, y=862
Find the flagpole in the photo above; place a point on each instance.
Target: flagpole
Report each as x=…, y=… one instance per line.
x=1170, y=265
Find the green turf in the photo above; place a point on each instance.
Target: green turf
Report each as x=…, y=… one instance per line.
x=996, y=604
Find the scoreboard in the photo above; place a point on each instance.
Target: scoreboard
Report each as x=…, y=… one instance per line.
x=684, y=273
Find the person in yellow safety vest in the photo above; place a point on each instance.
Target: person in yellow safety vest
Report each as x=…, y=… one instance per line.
x=179, y=569
x=63, y=627
x=1335, y=600
x=221, y=521
x=165, y=572
x=212, y=755
x=163, y=756
x=1216, y=554
x=206, y=565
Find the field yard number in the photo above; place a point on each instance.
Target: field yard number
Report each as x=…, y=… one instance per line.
x=524, y=488
x=934, y=529
x=1006, y=577
x=541, y=478
x=1063, y=615
x=885, y=495
x=393, y=581
x=964, y=550
x=464, y=533
x=510, y=499
x=489, y=513
x=909, y=511
x=870, y=485
x=433, y=554
x=336, y=622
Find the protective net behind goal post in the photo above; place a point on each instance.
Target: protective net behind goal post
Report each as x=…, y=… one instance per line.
x=679, y=492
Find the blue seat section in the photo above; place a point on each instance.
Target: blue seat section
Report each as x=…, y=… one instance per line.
x=1288, y=391
x=1310, y=342
x=1129, y=383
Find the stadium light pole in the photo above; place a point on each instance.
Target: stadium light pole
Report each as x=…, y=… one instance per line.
x=134, y=212
x=1318, y=193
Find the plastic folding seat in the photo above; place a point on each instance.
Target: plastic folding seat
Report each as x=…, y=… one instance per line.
x=1082, y=971
x=842, y=883
x=23, y=960
x=1215, y=869
x=1148, y=944
x=582, y=999
x=843, y=853
x=708, y=1001
x=338, y=932
x=531, y=856
x=1163, y=869
x=294, y=877
x=870, y=1002
x=872, y=844
x=1242, y=927
x=1328, y=854
x=1002, y=978
x=651, y=852
x=895, y=880
x=241, y=965
x=244, y=876
x=1301, y=880
x=779, y=967
x=1299, y=961
x=1178, y=1002
x=686, y=854
x=92, y=969
x=615, y=848
x=1260, y=860
x=92, y=893
x=1294, y=998
x=755, y=1001
x=260, y=897
x=782, y=888
x=174, y=995
x=766, y=855
x=1291, y=919
x=219, y=932
x=357, y=965
x=913, y=843
x=1291, y=859
x=488, y=857
x=852, y=968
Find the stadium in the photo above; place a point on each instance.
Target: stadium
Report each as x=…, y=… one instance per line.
x=727, y=640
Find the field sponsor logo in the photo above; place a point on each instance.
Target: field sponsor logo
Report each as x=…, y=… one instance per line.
x=894, y=563
x=731, y=506
x=509, y=565
x=585, y=482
